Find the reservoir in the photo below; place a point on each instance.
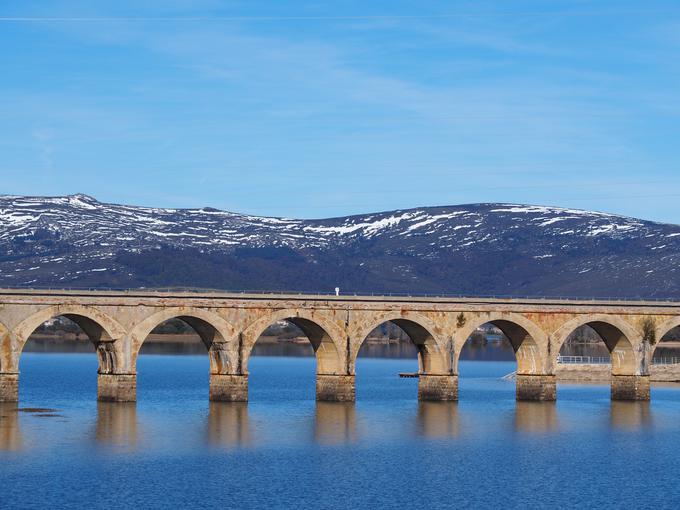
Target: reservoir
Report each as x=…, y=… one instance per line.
x=174, y=448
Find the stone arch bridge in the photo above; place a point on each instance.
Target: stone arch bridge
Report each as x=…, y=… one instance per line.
x=118, y=322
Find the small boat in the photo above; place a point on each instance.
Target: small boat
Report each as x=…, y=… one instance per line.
x=408, y=374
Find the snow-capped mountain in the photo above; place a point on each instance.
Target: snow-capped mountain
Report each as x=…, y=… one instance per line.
x=478, y=249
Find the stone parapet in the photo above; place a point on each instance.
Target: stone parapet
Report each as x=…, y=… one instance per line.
x=536, y=387
x=630, y=387
x=117, y=387
x=228, y=388
x=335, y=388
x=438, y=387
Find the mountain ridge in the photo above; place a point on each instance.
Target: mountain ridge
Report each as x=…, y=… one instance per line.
x=209, y=209
x=472, y=249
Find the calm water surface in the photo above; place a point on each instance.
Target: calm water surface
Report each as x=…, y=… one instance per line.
x=173, y=448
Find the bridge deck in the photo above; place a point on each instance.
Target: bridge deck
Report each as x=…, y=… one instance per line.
x=217, y=295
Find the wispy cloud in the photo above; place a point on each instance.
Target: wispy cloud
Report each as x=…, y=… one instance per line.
x=44, y=138
x=417, y=109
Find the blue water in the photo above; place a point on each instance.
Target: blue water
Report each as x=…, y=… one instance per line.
x=282, y=449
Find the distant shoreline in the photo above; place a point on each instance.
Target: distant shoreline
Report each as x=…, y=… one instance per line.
x=186, y=338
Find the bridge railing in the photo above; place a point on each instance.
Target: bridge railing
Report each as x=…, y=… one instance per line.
x=614, y=299
x=584, y=360
x=666, y=360
x=604, y=360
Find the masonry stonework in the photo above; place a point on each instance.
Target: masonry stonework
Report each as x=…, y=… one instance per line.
x=117, y=387
x=335, y=388
x=630, y=387
x=228, y=388
x=9, y=387
x=438, y=387
x=229, y=324
x=536, y=387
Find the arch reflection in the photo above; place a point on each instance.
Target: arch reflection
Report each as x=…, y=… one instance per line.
x=630, y=414
x=438, y=419
x=335, y=422
x=117, y=423
x=228, y=424
x=10, y=433
x=535, y=416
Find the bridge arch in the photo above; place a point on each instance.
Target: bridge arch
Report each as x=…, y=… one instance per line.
x=662, y=330
x=617, y=334
x=216, y=333
x=663, y=347
x=323, y=334
x=432, y=352
x=528, y=340
x=102, y=330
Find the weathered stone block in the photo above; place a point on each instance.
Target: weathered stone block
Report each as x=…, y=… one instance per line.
x=9, y=387
x=335, y=388
x=536, y=387
x=438, y=387
x=228, y=388
x=630, y=387
x=117, y=387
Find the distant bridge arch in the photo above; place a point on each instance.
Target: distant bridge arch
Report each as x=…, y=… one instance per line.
x=528, y=340
x=423, y=332
x=324, y=335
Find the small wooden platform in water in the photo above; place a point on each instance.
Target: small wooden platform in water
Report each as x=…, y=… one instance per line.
x=408, y=374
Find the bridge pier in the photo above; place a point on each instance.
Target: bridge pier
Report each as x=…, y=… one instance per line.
x=536, y=387
x=335, y=388
x=630, y=387
x=228, y=388
x=9, y=387
x=436, y=387
x=117, y=387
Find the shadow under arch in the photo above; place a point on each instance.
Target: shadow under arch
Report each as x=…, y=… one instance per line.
x=97, y=325
x=661, y=332
x=216, y=333
x=432, y=353
x=614, y=332
x=629, y=373
x=436, y=381
x=323, y=336
x=102, y=330
x=666, y=327
x=525, y=337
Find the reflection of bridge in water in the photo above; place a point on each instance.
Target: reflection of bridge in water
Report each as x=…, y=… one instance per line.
x=229, y=325
x=228, y=424
x=117, y=423
x=10, y=434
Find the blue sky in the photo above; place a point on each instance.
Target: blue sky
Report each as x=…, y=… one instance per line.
x=317, y=109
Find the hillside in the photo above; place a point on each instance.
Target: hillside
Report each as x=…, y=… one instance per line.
x=477, y=249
